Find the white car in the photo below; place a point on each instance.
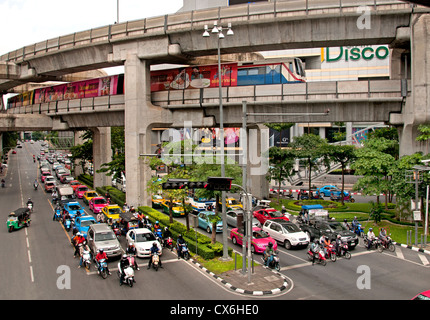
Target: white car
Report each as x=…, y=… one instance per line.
x=286, y=233
x=142, y=239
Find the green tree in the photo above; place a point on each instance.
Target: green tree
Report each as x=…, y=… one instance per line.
x=343, y=154
x=424, y=135
x=311, y=148
x=281, y=165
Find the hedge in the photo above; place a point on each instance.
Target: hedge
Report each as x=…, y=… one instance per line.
x=205, y=248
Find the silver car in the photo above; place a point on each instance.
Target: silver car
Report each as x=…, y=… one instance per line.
x=232, y=218
x=101, y=236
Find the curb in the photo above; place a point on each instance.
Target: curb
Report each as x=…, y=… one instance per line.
x=413, y=248
x=244, y=291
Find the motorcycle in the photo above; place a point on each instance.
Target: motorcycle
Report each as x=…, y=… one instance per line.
x=68, y=224
x=102, y=268
x=158, y=234
x=57, y=215
x=320, y=259
x=36, y=185
x=130, y=259
x=155, y=261
x=331, y=253
x=128, y=275
x=344, y=251
x=185, y=252
x=2, y=183
x=387, y=244
x=168, y=243
x=376, y=243
x=358, y=230
x=30, y=206
x=274, y=264
x=86, y=259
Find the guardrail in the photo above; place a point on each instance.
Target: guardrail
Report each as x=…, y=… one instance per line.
x=193, y=20
x=331, y=92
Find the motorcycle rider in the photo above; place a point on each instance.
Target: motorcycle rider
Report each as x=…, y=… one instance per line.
x=123, y=263
x=268, y=254
x=35, y=184
x=131, y=249
x=180, y=242
x=383, y=236
x=77, y=242
x=314, y=249
x=83, y=248
x=3, y=183
x=370, y=238
x=346, y=224
x=154, y=249
x=325, y=243
x=30, y=202
x=100, y=256
x=338, y=244
x=166, y=234
x=354, y=224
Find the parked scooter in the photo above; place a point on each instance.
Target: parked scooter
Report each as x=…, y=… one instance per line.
x=320, y=258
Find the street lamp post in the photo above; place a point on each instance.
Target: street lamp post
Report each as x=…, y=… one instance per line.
x=218, y=30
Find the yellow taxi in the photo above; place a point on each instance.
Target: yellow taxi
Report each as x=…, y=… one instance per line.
x=112, y=211
x=88, y=195
x=157, y=200
x=231, y=204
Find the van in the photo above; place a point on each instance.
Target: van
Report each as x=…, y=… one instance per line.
x=65, y=193
x=101, y=236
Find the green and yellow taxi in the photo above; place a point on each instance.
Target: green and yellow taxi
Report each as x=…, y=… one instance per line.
x=177, y=208
x=157, y=199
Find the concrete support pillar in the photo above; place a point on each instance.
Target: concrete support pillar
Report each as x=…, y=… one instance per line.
x=258, y=160
x=417, y=109
x=140, y=117
x=102, y=153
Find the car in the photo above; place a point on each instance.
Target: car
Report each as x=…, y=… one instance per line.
x=60, y=172
x=49, y=186
x=96, y=204
x=177, y=209
x=74, y=184
x=88, y=195
x=327, y=190
x=64, y=176
x=319, y=227
x=82, y=224
x=112, y=211
x=264, y=214
x=231, y=218
x=142, y=239
x=260, y=239
x=68, y=179
x=425, y=295
x=80, y=190
x=231, y=204
x=73, y=208
x=13, y=151
x=101, y=236
x=204, y=221
x=286, y=233
x=156, y=200
x=43, y=175
x=49, y=179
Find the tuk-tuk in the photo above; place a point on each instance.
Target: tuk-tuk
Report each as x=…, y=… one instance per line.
x=18, y=219
x=128, y=221
x=312, y=212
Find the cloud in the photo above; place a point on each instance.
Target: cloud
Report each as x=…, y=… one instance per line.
x=25, y=22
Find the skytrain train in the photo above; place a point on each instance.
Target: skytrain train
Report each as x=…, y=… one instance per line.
x=193, y=77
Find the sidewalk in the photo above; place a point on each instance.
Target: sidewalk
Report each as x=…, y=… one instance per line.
x=264, y=281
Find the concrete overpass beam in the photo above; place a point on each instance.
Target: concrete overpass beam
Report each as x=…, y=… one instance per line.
x=140, y=117
x=102, y=153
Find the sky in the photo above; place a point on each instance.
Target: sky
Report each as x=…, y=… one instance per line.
x=25, y=22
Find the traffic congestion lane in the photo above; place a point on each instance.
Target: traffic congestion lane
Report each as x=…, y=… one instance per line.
x=53, y=262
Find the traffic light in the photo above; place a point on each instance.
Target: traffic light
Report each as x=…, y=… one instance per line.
x=197, y=185
x=219, y=183
x=175, y=184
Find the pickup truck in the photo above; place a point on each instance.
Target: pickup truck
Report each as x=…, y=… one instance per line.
x=317, y=228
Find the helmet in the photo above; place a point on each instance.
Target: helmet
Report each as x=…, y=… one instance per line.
x=270, y=245
x=156, y=222
x=344, y=220
x=101, y=250
x=154, y=244
x=370, y=229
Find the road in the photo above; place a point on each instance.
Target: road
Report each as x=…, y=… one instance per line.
x=38, y=262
